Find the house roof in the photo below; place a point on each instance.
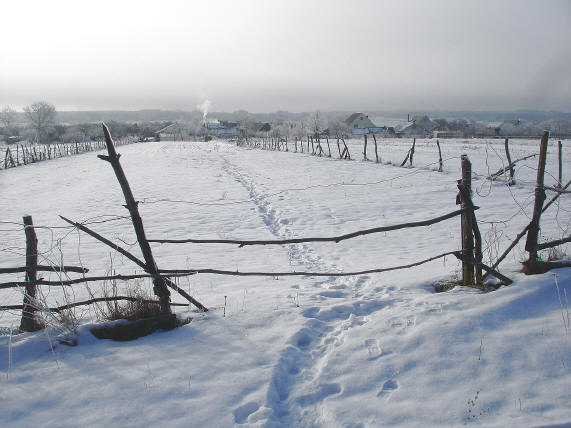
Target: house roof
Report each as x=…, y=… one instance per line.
x=351, y=118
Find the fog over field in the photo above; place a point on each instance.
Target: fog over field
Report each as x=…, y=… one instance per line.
x=287, y=55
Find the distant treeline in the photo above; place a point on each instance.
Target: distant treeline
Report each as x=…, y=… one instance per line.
x=155, y=115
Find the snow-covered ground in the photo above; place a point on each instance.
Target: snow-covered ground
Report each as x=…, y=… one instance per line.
x=366, y=351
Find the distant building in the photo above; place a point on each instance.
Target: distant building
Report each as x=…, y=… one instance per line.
x=221, y=128
x=360, y=124
x=359, y=121
x=419, y=126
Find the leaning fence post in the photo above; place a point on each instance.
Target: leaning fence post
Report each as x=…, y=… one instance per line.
x=160, y=287
x=412, y=151
x=511, y=181
x=439, y=156
x=466, y=223
x=28, y=322
x=532, y=234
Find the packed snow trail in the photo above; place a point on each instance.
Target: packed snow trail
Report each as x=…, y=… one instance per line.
x=298, y=369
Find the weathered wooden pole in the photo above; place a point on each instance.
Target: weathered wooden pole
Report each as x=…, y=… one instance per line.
x=29, y=322
x=160, y=288
x=511, y=181
x=365, y=148
x=439, y=156
x=412, y=151
x=466, y=224
x=346, y=150
x=376, y=151
x=466, y=195
x=339, y=148
x=532, y=234
x=559, y=157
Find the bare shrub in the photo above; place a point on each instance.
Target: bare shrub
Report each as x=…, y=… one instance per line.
x=140, y=305
x=556, y=253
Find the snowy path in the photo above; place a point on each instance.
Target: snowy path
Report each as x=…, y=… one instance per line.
x=305, y=355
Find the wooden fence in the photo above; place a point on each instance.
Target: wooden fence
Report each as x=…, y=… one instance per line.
x=470, y=254
x=24, y=154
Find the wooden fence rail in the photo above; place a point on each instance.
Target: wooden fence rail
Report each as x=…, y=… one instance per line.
x=336, y=239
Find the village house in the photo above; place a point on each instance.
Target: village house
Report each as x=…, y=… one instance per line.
x=419, y=126
x=358, y=121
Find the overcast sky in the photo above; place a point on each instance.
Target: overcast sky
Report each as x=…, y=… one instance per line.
x=297, y=55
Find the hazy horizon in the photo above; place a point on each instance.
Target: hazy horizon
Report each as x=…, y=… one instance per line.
x=287, y=55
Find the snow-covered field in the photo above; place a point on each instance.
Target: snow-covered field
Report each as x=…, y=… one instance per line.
x=366, y=351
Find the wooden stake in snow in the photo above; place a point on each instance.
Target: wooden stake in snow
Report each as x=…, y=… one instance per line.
x=466, y=223
x=559, y=157
x=377, y=160
x=365, y=148
x=439, y=156
x=511, y=181
x=412, y=151
x=532, y=234
x=28, y=322
x=160, y=287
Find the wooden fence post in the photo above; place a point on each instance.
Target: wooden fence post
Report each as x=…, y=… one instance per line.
x=160, y=288
x=559, y=157
x=511, y=181
x=439, y=156
x=532, y=234
x=412, y=151
x=365, y=148
x=466, y=224
x=376, y=151
x=28, y=322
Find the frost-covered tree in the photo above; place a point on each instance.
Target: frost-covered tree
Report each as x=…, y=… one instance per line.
x=41, y=115
x=316, y=122
x=246, y=122
x=338, y=128
x=7, y=119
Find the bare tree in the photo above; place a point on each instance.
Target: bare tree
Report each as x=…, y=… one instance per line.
x=316, y=122
x=41, y=115
x=7, y=118
x=246, y=122
x=338, y=128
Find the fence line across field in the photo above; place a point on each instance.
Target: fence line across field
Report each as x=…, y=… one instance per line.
x=470, y=254
x=25, y=154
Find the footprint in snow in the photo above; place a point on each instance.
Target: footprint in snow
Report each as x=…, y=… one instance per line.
x=241, y=413
x=389, y=387
x=373, y=349
x=332, y=294
x=323, y=391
